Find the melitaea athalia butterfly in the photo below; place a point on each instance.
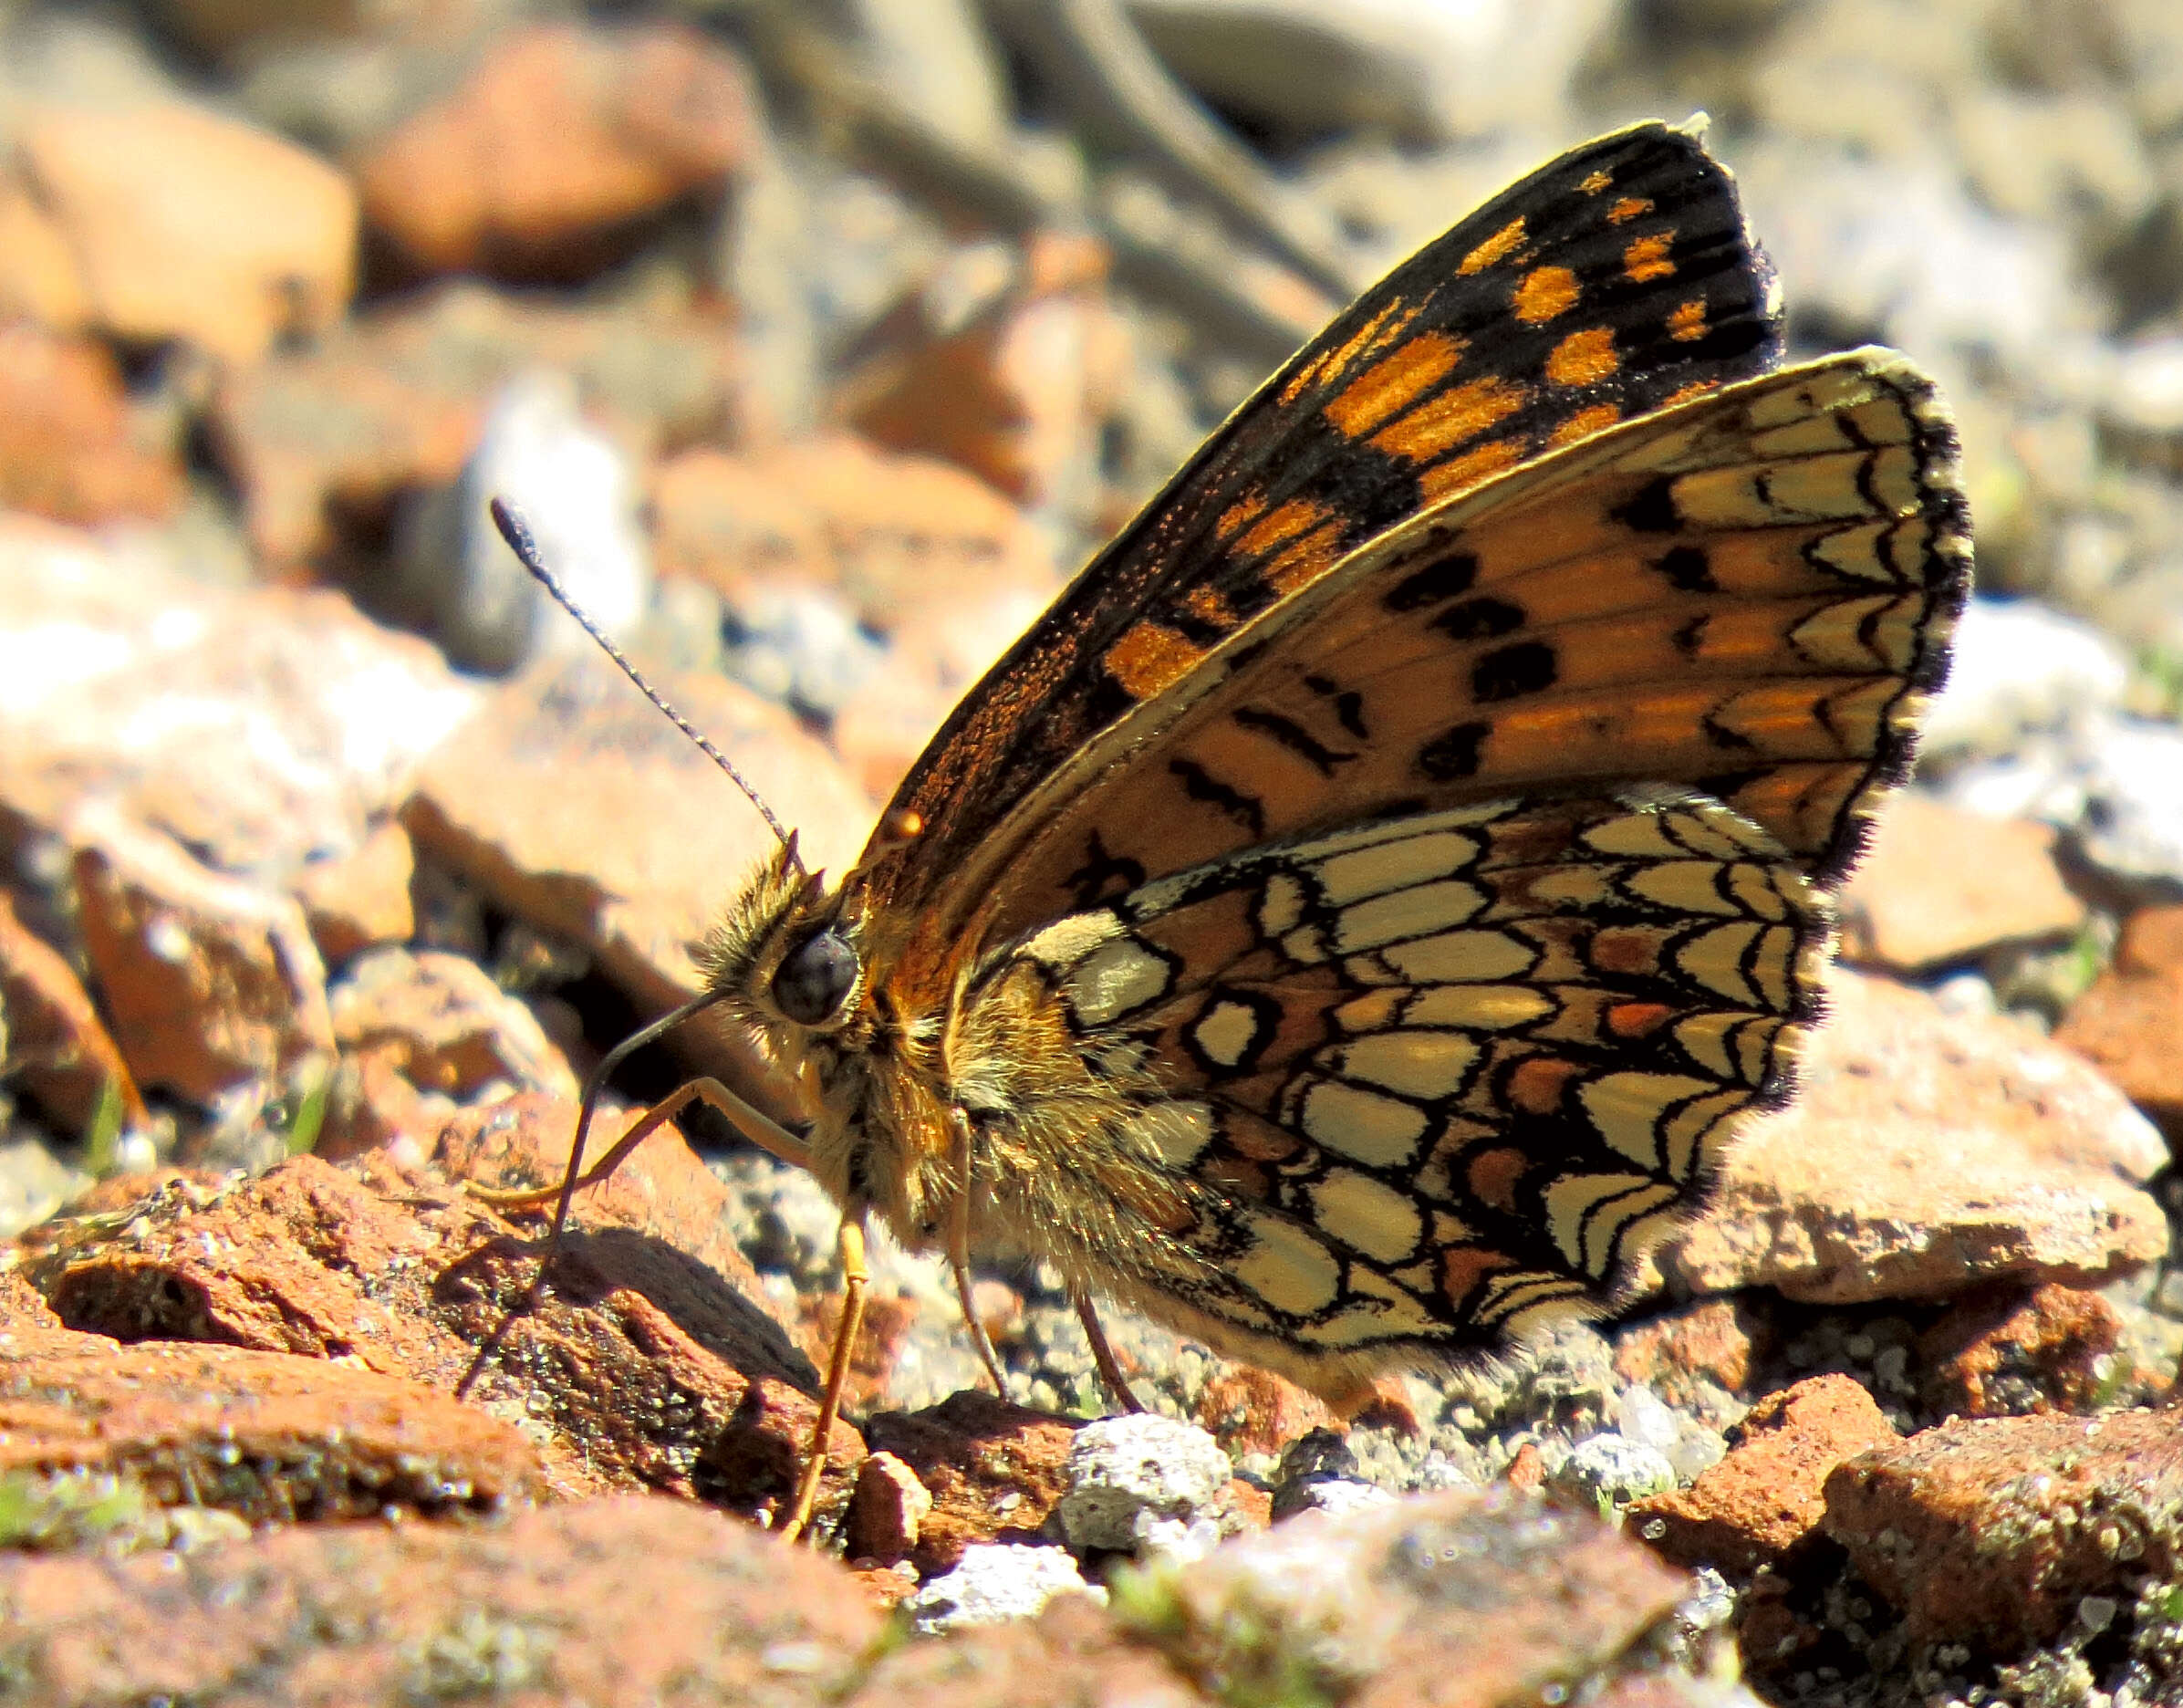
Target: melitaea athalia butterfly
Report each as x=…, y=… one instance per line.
x=1351, y=922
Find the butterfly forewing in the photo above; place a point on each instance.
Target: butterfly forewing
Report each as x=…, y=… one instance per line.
x=1613, y=280
x=1748, y=592
x=1431, y=1079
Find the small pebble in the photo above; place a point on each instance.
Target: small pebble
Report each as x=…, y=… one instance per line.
x=1335, y=1496
x=1143, y=1464
x=995, y=1582
x=1610, y=1470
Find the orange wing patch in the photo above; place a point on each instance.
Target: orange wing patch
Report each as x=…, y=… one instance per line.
x=1647, y=258
x=1149, y=658
x=1453, y=418
x=1394, y=382
x=1427, y=386
x=1546, y=292
x=1668, y=598
x=1584, y=357
x=1496, y=249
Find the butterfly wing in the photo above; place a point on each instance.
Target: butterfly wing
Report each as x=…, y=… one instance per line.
x=1390, y=1069
x=1615, y=278
x=1750, y=592
x=1419, y=1083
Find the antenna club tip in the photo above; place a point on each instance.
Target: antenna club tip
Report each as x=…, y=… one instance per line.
x=514, y=526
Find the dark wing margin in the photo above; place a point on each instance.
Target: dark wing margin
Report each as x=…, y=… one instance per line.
x=1617, y=278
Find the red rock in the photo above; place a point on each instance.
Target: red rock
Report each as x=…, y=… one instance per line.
x=260, y=729
x=1526, y=1471
x=1015, y=395
x=1073, y=1655
x=1248, y=1409
x=2011, y=1350
x=1243, y=1506
x=27, y=1324
x=445, y=1025
x=70, y=445
x=1363, y=1609
x=128, y=196
x=1764, y=1499
x=639, y=1368
x=557, y=151
x=359, y=900
x=1716, y=1341
x=896, y=536
x=617, y=1602
x=2130, y=1023
x=575, y=805
x=53, y=1039
x=324, y=442
x=267, y=1436
x=209, y=980
x=881, y=1337
x=1991, y=1530
x=369, y=1103
x=1840, y=1197
x=887, y=1510
x=1939, y=884
x=994, y=1470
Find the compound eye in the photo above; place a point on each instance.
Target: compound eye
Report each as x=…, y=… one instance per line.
x=814, y=978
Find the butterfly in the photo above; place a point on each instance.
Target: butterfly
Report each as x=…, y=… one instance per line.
x=1350, y=925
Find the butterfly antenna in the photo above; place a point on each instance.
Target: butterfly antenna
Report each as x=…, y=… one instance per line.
x=516, y=531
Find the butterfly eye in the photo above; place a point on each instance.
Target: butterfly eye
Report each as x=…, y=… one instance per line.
x=814, y=978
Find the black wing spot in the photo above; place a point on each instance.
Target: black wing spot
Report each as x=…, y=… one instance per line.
x=1294, y=736
x=1686, y=569
x=1480, y=620
x=1719, y=736
x=1513, y=672
x=1453, y=755
x=1103, y=876
x=1201, y=785
x=1441, y=579
x=1651, y=510
x=1691, y=636
x=1348, y=704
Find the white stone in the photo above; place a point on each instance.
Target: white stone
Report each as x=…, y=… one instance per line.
x=1122, y=1468
x=1335, y=1496
x=1612, y=1469
x=575, y=489
x=995, y=1582
x=2019, y=666
x=2132, y=819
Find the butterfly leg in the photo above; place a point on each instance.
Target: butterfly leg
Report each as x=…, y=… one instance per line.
x=855, y=1277
x=1110, y=1367
x=760, y=1130
x=959, y=1253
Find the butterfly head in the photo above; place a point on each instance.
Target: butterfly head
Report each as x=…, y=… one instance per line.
x=789, y=948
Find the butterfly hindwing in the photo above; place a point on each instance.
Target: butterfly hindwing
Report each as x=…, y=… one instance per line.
x=1611, y=281
x=1434, y=1077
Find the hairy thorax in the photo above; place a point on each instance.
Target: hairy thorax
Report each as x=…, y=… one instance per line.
x=979, y=1087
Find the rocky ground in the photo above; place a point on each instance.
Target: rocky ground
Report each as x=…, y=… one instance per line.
x=821, y=342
